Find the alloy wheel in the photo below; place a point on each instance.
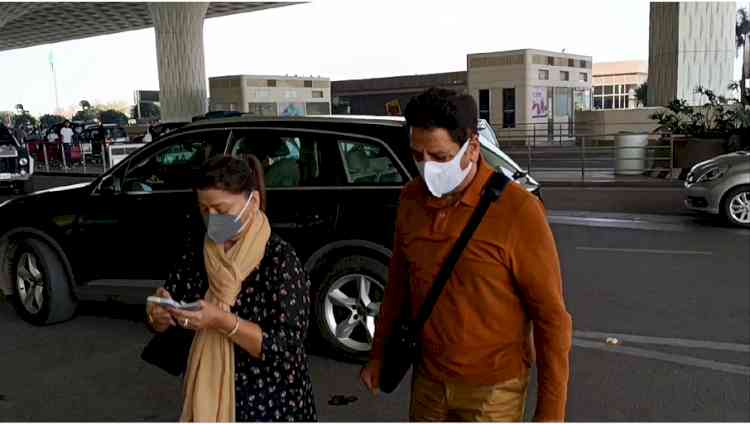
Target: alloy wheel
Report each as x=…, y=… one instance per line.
x=739, y=207
x=350, y=308
x=30, y=283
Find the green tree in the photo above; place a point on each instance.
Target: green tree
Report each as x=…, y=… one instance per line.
x=24, y=120
x=112, y=116
x=85, y=115
x=47, y=121
x=85, y=105
x=641, y=93
x=742, y=32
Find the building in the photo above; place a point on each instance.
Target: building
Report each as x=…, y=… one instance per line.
x=615, y=83
x=388, y=96
x=146, y=104
x=529, y=88
x=513, y=88
x=271, y=95
x=691, y=44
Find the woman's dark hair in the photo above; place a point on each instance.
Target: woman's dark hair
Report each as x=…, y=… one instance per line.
x=228, y=173
x=441, y=108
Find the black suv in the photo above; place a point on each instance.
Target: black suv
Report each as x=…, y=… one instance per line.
x=333, y=189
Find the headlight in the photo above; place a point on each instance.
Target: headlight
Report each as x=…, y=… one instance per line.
x=713, y=173
x=23, y=161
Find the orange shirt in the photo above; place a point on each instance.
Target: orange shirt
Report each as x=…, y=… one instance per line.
x=508, y=275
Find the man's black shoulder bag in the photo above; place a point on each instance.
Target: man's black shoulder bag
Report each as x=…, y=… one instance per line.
x=402, y=347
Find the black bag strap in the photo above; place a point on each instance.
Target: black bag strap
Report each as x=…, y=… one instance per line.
x=492, y=191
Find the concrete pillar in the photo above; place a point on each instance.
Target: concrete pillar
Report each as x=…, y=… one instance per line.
x=181, y=60
x=690, y=44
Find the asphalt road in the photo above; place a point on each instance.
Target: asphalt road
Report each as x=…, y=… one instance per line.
x=675, y=292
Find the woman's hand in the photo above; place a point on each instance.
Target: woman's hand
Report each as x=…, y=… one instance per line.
x=208, y=316
x=158, y=316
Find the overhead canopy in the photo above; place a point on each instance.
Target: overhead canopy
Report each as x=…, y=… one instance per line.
x=31, y=24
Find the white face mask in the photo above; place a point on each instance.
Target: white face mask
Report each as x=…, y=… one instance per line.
x=443, y=177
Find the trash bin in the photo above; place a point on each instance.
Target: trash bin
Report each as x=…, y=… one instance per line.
x=630, y=153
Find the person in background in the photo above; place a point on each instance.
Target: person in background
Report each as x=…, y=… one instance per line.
x=475, y=347
x=67, y=141
x=247, y=361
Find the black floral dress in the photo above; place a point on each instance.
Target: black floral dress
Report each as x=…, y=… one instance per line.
x=276, y=297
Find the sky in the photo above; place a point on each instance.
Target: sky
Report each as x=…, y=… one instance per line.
x=338, y=39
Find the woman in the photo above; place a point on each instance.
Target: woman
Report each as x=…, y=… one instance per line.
x=247, y=361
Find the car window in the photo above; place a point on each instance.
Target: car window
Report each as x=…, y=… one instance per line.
x=288, y=159
x=173, y=167
x=368, y=163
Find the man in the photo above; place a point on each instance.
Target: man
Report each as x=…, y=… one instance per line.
x=67, y=139
x=476, y=346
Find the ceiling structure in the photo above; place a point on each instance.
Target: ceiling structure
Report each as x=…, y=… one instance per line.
x=30, y=24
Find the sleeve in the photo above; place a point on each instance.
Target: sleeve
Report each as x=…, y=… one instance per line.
x=536, y=268
x=285, y=329
x=396, y=291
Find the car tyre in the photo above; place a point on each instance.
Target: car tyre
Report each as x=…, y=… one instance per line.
x=348, y=300
x=735, y=204
x=42, y=289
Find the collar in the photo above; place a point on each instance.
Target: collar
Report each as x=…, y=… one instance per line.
x=471, y=195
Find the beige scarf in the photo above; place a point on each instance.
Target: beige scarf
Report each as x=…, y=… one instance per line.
x=209, y=381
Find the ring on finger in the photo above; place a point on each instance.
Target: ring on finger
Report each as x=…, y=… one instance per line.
x=186, y=323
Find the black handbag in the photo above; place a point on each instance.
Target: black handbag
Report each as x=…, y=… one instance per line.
x=169, y=350
x=402, y=347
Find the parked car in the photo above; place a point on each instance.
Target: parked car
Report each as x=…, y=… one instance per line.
x=16, y=165
x=333, y=190
x=721, y=186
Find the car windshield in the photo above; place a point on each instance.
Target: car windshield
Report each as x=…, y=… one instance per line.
x=116, y=132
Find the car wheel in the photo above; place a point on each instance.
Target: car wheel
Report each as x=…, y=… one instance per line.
x=347, y=304
x=736, y=206
x=42, y=289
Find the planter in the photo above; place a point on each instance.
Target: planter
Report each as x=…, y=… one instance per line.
x=630, y=153
x=688, y=152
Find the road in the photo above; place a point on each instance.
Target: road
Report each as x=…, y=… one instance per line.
x=675, y=292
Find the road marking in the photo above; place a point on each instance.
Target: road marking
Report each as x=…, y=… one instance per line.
x=655, y=251
x=666, y=357
x=665, y=341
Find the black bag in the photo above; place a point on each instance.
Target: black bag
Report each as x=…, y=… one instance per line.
x=169, y=350
x=402, y=347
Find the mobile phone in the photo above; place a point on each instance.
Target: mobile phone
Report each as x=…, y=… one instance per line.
x=169, y=303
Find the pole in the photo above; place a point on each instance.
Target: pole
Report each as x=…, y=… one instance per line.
x=583, y=159
x=54, y=79
x=46, y=159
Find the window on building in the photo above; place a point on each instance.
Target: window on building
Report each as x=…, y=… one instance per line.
x=484, y=105
x=317, y=94
x=271, y=83
x=607, y=103
x=564, y=76
x=617, y=102
x=583, y=64
x=550, y=61
x=318, y=108
x=509, y=107
x=543, y=74
x=609, y=89
x=563, y=101
x=627, y=102
x=308, y=84
x=262, y=109
x=583, y=77
x=368, y=163
x=572, y=63
x=597, y=102
x=598, y=90
x=234, y=83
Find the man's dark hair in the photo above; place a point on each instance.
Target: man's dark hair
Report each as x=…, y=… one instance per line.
x=235, y=175
x=441, y=108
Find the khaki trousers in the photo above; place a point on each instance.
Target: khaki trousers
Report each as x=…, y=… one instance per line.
x=441, y=402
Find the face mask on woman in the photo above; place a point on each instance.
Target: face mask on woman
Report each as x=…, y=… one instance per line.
x=222, y=227
x=443, y=177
